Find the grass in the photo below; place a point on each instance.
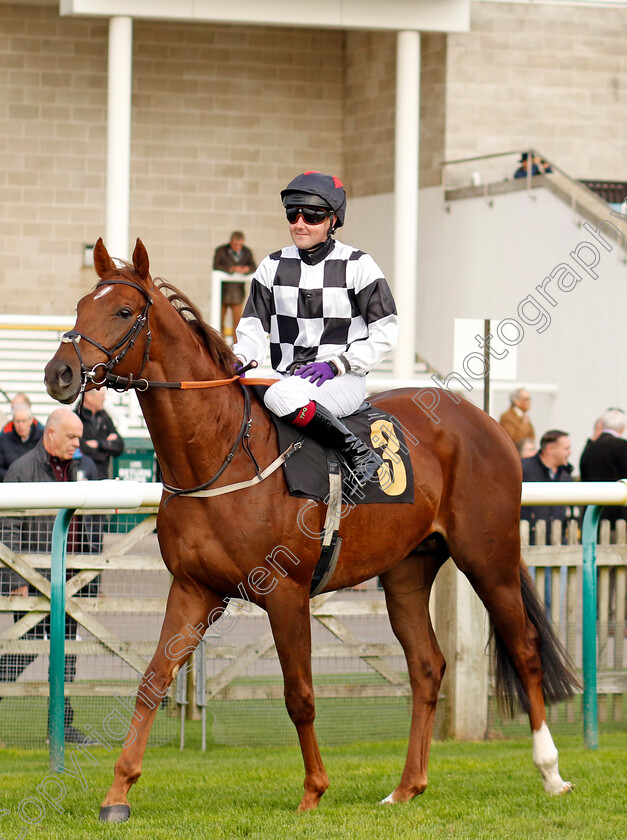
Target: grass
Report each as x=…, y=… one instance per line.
x=479, y=791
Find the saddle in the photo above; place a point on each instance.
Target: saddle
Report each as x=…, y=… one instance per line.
x=307, y=469
x=315, y=472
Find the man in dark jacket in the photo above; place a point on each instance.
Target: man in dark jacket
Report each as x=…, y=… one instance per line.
x=605, y=458
x=52, y=459
x=19, y=437
x=233, y=258
x=100, y=439
x=550, y=463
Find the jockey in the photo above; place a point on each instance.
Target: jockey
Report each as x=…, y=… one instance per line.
x=331, y=318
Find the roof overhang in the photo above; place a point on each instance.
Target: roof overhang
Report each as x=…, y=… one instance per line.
x=419, y=15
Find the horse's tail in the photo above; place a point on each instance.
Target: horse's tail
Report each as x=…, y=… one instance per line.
x=559, y=679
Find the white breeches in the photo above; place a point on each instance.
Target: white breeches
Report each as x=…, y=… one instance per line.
x=341, y=395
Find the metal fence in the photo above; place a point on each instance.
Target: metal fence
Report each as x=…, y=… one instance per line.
x=118, y=585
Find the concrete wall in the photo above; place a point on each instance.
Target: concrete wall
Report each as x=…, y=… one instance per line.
x=549, y=75
x=369, y=116
x=482, y=258
x=370, y=111
x=222, y=118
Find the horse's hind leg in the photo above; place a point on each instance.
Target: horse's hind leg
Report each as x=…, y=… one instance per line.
x=407, y=587
x=498, y=584
x=184, y=624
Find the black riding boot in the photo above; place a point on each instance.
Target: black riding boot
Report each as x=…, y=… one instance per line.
x=326, y=429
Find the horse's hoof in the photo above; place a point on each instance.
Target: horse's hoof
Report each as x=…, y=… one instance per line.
x=566, y=788
x=559, y=790
x=115, y=813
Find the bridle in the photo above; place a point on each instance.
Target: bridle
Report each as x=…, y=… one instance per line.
x=124, y=383
x=119, y=351
x=126, y=343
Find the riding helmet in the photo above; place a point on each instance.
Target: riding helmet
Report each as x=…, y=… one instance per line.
x=317, y=190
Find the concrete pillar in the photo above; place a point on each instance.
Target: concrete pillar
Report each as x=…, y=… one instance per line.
x=461, y=627
x=119, y=136
x=407, y=154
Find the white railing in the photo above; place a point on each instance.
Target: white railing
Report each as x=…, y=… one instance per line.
x=79, y=495
x=90, y=495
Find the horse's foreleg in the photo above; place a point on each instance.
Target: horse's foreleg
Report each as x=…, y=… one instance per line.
x=407, y=587
x=184, y=624
x=288, y=610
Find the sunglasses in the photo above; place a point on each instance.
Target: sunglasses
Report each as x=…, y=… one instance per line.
x=311, y=215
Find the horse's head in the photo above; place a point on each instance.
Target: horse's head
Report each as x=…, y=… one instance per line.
x=109, y=321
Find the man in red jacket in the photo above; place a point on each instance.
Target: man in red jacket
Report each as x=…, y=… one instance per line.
x=19, y=436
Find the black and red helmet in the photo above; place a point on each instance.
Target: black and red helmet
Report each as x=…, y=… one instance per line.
x=317, y=190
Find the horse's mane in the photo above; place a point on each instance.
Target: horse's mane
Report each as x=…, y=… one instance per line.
x=217, y=347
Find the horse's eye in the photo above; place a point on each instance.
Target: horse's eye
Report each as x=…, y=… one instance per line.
x=126, y=312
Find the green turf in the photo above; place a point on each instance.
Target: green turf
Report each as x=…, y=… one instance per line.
x=477, y=791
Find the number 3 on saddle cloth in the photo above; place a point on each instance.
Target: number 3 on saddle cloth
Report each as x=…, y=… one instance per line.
x=307, y=470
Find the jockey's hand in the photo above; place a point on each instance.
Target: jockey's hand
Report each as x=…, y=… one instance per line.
x=317, y=372
x=241, y=369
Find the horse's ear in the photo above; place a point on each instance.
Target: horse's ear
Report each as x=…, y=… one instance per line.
x=140, y=260
x=102, y=261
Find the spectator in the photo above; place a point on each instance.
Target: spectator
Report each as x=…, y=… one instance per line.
x=52, y=459
x=20, y=399
x=526, y=447
x=234, y=258
x=605, y=457
x=20, y=436
x=538, y=166
x=596, y=429
x=516, y=420
x=549, y=464
x=100, y=438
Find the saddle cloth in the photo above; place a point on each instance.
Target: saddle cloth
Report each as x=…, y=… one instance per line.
x=307, y=470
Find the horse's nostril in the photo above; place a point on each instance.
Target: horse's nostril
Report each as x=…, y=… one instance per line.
x=65, y=375
x=61, y=382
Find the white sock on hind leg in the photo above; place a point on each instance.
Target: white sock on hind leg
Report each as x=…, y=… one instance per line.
x=545, y=759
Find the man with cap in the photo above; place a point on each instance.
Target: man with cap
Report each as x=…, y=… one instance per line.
x=330, y=316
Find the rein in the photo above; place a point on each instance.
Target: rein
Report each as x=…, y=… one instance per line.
x=243, y=437
x=125, y=383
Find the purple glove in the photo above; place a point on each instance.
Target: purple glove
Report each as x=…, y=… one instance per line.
x=241, y=369
x=316, y=372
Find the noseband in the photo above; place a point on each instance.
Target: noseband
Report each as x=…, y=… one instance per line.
x=119, y=351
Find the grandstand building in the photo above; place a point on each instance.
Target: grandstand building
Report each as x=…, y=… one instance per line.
x=179, y=122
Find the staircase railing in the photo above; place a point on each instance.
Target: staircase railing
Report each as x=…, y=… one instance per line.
x=583, y=201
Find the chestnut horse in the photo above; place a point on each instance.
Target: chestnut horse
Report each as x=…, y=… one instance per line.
x=467, y=477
